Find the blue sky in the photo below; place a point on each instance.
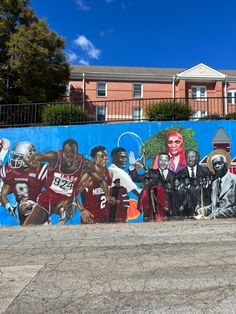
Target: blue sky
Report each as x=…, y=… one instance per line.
x=144, y=33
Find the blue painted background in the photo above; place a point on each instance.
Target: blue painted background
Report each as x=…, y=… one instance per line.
x=88, y=136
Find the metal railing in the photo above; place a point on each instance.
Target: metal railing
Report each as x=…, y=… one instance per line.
x=29, y=114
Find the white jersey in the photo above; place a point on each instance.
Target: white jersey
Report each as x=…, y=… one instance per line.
x=125, y=179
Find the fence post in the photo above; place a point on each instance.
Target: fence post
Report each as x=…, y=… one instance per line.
x=70, y=112
x=139, y=110
x=225, y=106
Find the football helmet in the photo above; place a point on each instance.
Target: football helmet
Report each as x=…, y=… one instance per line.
x=19, y=151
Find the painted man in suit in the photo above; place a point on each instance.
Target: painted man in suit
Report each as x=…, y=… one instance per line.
x=193, y=170
x=223, y=196
x=161, y=175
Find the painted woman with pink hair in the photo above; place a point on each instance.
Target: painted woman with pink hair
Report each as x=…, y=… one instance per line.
x=175, y=149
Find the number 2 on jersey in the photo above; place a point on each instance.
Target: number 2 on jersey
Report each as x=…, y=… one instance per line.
x=103, y=202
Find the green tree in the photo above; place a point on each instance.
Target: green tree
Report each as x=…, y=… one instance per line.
x=33, y=66
x=157, y=143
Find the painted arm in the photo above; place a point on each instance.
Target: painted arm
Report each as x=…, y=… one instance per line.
x=86, y=215
x=90, y=174
x=35, y=159
x=5, y=201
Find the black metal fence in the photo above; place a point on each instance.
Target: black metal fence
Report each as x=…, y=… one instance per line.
x=59, y=113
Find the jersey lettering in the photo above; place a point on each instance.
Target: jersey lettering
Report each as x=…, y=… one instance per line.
x=97, y=191
x=22, y=191
x=63, y=184
x=103, y=202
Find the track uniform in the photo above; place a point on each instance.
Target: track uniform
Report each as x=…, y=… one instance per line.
x=60, y=186
x=94, y=200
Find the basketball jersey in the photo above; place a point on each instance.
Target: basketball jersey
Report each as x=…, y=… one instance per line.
x=94, y=199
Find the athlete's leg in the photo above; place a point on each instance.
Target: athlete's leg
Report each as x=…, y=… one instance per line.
x=38, y=216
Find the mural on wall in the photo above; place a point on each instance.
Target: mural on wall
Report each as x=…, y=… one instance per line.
x=117, y=173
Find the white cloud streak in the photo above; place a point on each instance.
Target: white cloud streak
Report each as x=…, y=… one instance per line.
x=106, y=31
x=72, y=57
x=83, y=62
x=82, y=6
x=87, y=46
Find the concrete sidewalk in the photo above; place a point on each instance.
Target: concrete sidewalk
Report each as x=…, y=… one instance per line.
x=170, y=267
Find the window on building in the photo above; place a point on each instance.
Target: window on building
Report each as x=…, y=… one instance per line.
x=100, y=113
x=137, y=113
x=198, y=114
x=137, y=90
x=231, y=96
x=101, y=89
x=199, y=92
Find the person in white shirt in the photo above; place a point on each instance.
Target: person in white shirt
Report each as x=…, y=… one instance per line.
x=119, y=161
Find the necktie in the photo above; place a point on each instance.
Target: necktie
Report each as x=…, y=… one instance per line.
x=192, y=173
x=162, y=174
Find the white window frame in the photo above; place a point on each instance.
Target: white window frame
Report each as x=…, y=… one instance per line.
x=97, y=112
x=198, y=93
x=141, y=95
x=198, y=114
x=139, y=115
x=105, y=89
x=231, y=99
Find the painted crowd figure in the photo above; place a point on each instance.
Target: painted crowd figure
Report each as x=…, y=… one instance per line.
x=175, y=149
x=58, y=182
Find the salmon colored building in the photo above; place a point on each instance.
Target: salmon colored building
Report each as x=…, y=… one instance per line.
x=125, y=91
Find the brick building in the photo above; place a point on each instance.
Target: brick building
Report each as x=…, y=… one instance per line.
x=207, y=90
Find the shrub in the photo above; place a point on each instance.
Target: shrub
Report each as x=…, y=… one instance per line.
x=168, y=111
x=231, y=116
x=63, y=114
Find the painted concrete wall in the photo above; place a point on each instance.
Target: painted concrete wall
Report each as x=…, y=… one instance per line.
x=142, y=191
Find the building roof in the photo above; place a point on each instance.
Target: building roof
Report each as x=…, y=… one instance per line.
x=221, y=136
x=123, y=72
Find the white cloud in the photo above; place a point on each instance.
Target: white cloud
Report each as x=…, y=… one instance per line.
x=82, y=6
x=87, y=46
x=106, y=31
x=83, y=62
x=72, y=57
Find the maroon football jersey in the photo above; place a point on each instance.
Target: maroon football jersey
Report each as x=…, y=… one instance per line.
x=26, y=184
x=94, y=199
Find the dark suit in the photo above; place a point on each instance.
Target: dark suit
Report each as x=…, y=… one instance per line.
x=169, y=178
x=178, y=198
x=201, y=171
x=155, y=175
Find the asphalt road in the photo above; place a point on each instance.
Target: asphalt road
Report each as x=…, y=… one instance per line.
x=170, y=267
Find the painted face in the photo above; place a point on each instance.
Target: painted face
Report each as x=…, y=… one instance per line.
x=121, y=159
x=192, y=159
x=163, y=162
x=69, y=154
x=219, y=165
x=117, y=183
x=102, y=159
x=174, y=144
